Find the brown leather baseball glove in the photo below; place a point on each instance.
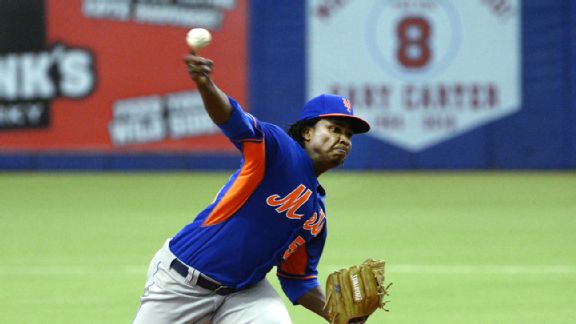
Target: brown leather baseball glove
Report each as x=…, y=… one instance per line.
x=355, y=292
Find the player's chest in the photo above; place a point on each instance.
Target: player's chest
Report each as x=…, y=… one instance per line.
x=301, y=209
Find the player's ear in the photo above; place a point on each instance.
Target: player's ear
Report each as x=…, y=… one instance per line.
x=307, y=133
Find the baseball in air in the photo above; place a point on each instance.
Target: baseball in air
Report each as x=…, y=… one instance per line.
x=198, y=38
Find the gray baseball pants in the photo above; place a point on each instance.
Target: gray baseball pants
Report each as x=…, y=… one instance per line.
x=170, y=298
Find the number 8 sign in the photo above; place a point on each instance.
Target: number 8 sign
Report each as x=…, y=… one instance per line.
x=413, y=39
x=422, y=71
x=408, y=37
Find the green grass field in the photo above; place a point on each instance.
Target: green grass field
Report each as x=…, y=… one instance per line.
x=460, y=247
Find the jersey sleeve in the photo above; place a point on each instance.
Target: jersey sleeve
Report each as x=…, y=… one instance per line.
x=245, y=132
x=241, y=126
x=298, y=274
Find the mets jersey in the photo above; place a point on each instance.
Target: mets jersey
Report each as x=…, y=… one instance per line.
x=270, y=213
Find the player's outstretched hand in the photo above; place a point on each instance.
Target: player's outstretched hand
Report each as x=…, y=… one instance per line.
x=199, y=68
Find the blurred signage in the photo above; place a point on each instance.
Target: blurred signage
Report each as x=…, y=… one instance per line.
x=420, y=71
x=184, y=13
x=107, y=75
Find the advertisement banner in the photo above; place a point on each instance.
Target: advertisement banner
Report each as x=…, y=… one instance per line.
x=420, y=71
x=108, y=75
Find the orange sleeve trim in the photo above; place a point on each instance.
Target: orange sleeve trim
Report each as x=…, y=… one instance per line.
x=294, y=277
x=248, y=179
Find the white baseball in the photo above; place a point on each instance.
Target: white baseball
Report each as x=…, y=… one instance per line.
x=198, y=38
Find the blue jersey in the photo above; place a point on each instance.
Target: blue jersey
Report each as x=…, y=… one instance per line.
x=270, y=213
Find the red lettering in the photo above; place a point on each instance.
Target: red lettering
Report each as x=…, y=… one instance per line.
x=367, y=96
x=458, y=94
x=500, y=8
x=492, y=96
x=409, y=102
x=442, y=95
x=429, y=97
x=390, y=122
x=326, y=9
x=413, y=36
x=435, y=123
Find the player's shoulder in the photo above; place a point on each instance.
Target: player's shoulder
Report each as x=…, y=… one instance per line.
x=279, y=145
x=273, y=131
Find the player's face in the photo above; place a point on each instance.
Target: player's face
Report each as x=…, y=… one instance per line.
x=328, y=143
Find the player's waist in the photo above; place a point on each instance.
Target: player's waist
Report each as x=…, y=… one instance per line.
x=201, y=280
x=192, y=276
x=226, y=262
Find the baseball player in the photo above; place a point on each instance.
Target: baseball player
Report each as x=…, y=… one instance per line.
x=270, y=213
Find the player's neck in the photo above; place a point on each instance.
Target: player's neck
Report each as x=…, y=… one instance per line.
x=322, y=166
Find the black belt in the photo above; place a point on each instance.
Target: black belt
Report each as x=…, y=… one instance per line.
x=203, y=282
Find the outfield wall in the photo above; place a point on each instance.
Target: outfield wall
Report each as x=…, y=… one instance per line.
x=123, y=110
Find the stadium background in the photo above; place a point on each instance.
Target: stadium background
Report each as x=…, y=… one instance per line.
x=261, y=61
x=477, y=228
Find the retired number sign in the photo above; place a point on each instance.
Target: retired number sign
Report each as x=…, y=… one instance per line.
x=420, y=71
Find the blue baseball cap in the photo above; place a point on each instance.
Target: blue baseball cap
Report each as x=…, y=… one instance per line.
x=328, y=105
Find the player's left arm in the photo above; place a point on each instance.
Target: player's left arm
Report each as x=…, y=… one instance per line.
x=301, y=283
x=314, y=300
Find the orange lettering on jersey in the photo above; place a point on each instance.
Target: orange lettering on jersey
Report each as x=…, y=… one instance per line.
x=313, y=225
x=291, y=202
x=298, y=241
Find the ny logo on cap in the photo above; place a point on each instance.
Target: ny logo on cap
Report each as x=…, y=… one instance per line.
x=347, y=104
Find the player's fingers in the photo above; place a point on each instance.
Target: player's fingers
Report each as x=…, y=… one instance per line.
x=199, y=63
x=204, y=69
x=194, y=59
